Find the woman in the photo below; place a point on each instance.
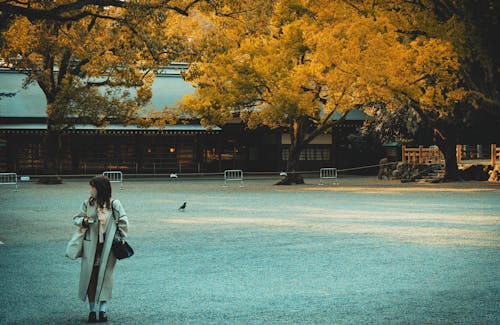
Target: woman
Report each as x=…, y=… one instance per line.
x=98, y=261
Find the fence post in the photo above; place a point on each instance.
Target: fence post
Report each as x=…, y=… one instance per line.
x=420, y=154
x=403, y=149
x=459, y=153
x=493, y=155
x=497, y=155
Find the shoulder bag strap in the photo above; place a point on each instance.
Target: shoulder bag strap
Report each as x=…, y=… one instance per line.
x=114, y=218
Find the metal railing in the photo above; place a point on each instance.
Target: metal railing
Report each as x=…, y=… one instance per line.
x=114, y=177
x=8, y=179
x=233, y=175
x=328, y=173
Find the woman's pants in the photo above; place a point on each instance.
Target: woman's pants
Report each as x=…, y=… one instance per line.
x=91, y=291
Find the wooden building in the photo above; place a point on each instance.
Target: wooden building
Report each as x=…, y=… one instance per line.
x=180, y=148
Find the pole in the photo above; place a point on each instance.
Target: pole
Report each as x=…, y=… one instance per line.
x=493, y=155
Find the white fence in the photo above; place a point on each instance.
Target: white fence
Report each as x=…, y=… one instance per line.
x=328, y=173
x=8, y=179
x=114, y=177
x=233, y=175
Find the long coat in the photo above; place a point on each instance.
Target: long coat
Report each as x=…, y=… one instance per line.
x=105, y=275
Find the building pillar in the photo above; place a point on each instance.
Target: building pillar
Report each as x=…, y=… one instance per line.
x=11, y=153
x=335, y=145
x=332, y=147
x=139, y=152
x=75, y=148
x=279, y=151
x=198, y=154
x=219, y=151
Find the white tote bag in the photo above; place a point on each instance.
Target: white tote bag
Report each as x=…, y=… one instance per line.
x=74, y=249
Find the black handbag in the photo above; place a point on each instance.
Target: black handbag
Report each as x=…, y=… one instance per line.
x=121, y=249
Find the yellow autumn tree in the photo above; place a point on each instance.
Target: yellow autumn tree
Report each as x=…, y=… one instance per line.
x=88, y=56
x=437, y=65
x=296, y=70
x=306, y=60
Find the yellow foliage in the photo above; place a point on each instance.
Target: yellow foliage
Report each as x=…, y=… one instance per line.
x=70, y=60
x=303, y=60
x=303, y=66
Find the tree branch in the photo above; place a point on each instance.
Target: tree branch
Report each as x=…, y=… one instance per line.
x=69, y=11
x=415, y=32
x=63, y=68
x=327, y=124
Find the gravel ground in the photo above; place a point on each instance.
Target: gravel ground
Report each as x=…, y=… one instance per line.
x=364, y=251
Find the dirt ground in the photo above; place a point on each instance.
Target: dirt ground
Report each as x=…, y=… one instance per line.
x=363, y=251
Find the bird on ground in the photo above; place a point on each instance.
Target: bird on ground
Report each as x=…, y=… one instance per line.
x=182, y=207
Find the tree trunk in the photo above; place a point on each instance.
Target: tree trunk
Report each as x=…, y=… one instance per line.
x=447, y=142
x=52, y=139
x=292, y=165
x=53, y=143
x=297, y=134
x=449, y=151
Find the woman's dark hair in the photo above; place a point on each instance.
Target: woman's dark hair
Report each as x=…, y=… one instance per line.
x=103, y=187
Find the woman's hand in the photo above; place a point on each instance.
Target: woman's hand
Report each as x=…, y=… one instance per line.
x=86, y=221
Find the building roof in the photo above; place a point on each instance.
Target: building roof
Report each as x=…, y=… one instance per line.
x=167, y=89
x=29, y=102
x=353, y=115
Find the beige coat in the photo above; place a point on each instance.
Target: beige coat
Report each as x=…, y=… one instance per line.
x=105, y=277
